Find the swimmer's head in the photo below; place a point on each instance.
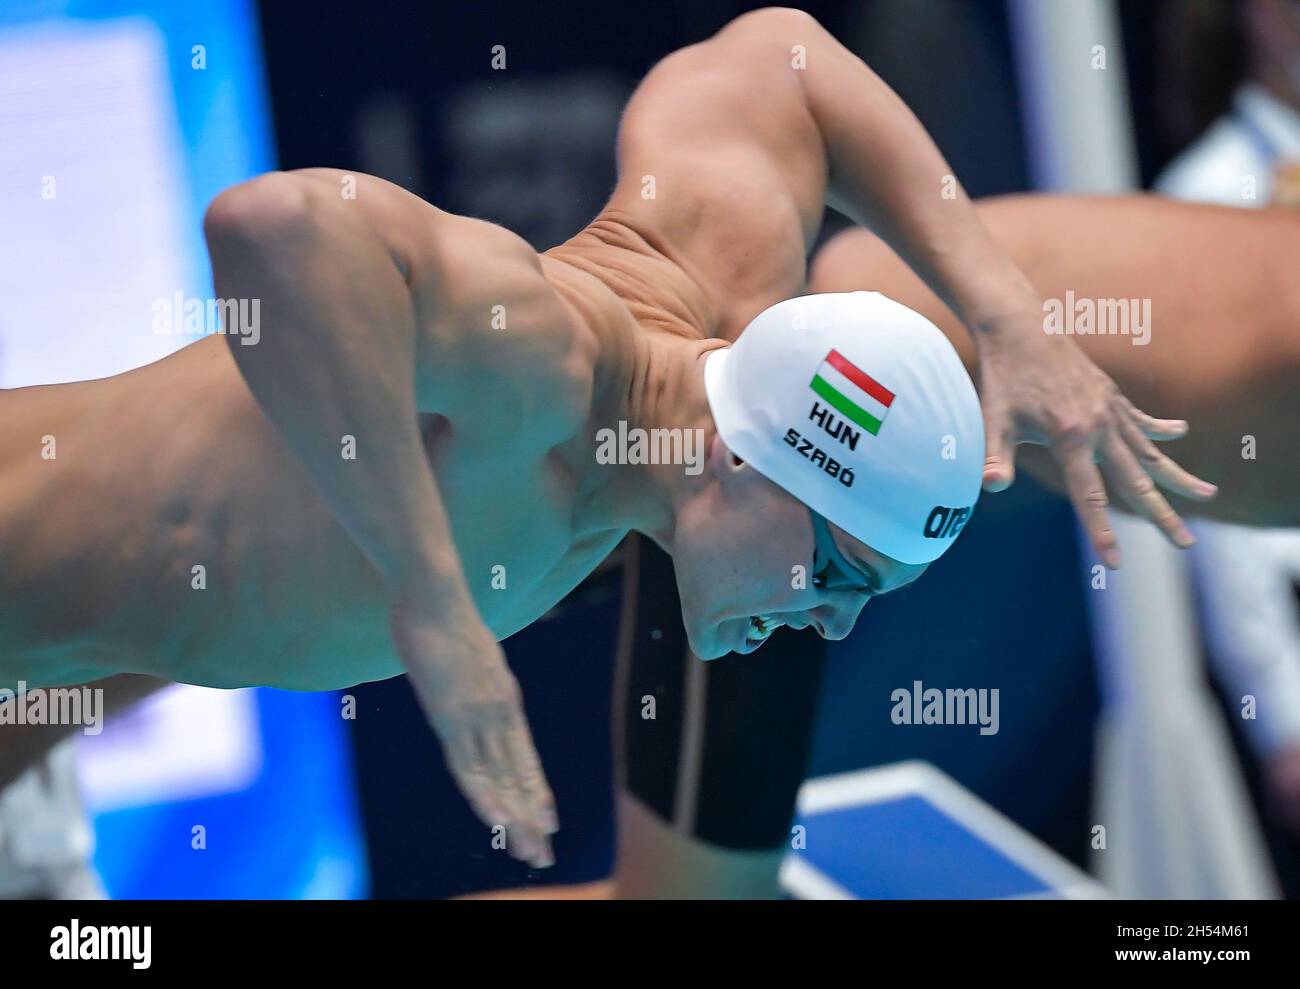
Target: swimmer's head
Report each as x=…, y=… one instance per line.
x=747, y=558
x=849, y=455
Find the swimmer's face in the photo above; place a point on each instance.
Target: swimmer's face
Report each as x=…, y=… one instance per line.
x=735, y=551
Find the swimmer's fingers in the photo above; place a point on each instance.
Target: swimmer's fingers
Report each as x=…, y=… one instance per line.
x=1138, y=490
x=1000, y=440
x=475, y=707
x=528, y=770
x=1088, y=495
x=526, y=836
x=485, y=719
x=1163, y=470
x=479, y=762
x=1156, y=429
x=466, y=765
x=504, y=792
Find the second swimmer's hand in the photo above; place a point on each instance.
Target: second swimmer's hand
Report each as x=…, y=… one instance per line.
x=474, y=704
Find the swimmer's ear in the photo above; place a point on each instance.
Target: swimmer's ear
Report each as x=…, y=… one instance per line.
x=721, y=459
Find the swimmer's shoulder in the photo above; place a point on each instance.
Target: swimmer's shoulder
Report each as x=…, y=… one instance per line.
x=497, y=334
x=494, y=340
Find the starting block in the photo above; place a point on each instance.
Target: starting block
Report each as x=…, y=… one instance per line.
x=909, y=831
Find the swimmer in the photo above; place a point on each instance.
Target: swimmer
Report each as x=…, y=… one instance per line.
x=401, y=469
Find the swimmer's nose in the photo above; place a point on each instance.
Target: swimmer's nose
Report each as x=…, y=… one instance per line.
x=835, y=623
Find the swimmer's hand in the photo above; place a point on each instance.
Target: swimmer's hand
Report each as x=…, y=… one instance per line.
x=473, y=702
x=1040, y=388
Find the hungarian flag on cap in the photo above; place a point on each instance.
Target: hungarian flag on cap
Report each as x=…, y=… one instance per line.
x=853, y=393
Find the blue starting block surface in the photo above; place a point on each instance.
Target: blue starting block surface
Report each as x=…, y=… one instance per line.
x=908, y=832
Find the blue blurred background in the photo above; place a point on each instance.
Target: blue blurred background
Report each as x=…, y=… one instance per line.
x=267, y=775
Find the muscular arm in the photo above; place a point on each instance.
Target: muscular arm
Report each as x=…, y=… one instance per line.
x=746, y=136
x=336, y=356
x=888, y=175
x=353, y=346
x=1224, y=342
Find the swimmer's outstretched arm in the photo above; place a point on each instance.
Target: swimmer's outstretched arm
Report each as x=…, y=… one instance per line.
x=1216, y=328
x=341, y=362
x=779, y=93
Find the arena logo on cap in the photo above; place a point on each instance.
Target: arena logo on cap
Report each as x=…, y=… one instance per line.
x=944, y=522
x=851, y=392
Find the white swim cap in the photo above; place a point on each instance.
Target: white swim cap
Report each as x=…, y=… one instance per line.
x=861, y=409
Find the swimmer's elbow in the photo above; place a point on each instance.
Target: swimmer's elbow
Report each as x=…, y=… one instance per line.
x=263, y=211
x=785, y=21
